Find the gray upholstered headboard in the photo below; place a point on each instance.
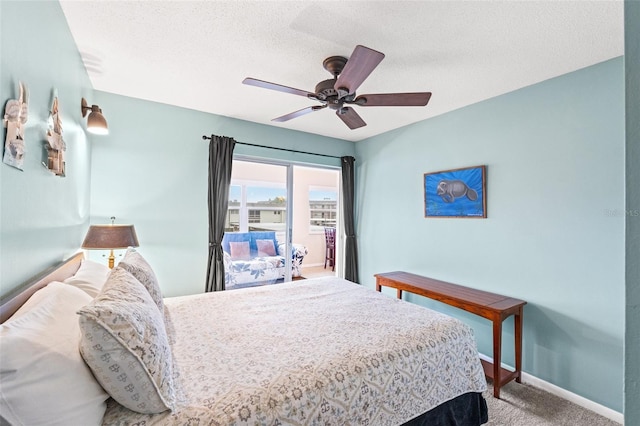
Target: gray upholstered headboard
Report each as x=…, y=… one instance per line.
x=65, y=269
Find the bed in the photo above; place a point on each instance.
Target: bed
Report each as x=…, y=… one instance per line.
x=318, y=352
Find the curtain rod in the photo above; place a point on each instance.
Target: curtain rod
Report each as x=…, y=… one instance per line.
x=205, y=137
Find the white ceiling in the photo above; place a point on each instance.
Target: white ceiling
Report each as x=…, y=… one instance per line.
x=195, y=54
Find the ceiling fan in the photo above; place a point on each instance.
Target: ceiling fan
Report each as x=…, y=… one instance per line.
x=340, y=91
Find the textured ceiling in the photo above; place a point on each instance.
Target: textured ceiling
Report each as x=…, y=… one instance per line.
x=195, y=54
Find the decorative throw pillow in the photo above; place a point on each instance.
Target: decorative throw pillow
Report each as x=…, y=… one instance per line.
x=124, y=342
x=234, y=237
x=42, y=375
x=266, y=248
x=90, y=277
x=134, y=263
x=239, y=250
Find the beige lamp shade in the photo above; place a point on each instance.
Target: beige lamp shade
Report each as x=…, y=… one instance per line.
x=108, y=237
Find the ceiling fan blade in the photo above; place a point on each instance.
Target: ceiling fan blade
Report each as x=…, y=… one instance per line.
x=279, y=87
x=350, y=118
x=361, y=63
x=394, y=99
x=298, y=113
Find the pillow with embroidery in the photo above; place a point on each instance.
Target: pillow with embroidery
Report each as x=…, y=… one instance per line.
x=266, y=248
x=136, y=265
x=124, y=342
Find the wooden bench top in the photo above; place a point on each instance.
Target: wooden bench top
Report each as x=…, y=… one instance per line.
x=453, y=294
x=492, y=306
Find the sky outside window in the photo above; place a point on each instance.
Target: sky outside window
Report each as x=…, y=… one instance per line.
x=256, y=193
x=317, y=195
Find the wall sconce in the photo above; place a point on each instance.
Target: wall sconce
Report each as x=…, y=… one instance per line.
x=110, y=237
x=96, y=122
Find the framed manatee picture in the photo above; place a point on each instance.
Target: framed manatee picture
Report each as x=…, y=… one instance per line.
x=456, y=193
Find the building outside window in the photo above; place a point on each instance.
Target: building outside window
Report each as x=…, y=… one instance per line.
x=323, y=208
x=254, y=208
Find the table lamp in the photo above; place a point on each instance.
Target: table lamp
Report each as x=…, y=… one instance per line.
x=110, y=237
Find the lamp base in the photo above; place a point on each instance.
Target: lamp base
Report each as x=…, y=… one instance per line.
x=112, y=260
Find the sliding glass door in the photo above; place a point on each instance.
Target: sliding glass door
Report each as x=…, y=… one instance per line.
x=276, y=221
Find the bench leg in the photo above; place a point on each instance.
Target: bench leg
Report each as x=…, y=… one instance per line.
x=517, y=321
x=497, y=352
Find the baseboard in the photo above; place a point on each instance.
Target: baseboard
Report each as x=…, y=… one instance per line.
x=565, y=394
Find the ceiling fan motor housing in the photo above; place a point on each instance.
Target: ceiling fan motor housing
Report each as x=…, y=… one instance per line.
x=325, y=90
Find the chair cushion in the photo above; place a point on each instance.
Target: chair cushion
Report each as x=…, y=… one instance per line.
x=251, y=237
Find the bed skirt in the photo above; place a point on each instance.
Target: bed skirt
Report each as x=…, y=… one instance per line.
x=469, y=409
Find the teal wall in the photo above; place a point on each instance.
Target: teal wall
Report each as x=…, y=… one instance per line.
x=43, y=217
x=554, y=235
x=632, y=336
x=151, y=170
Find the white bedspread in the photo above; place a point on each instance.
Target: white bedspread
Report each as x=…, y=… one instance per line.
x=316, y=352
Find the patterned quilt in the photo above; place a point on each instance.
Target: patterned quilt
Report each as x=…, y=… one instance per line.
x=316, y=352
x=262, y=270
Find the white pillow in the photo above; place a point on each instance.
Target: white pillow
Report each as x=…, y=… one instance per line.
x=90, y=277
x=43, y=379
x=134, y=263
x=125, y=343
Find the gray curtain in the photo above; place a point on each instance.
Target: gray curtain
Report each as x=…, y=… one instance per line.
x=350, y=246
x=220, y=161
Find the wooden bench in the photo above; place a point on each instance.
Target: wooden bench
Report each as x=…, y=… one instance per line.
x=491, y=306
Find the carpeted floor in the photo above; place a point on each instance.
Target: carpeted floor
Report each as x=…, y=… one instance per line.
x=525, y=405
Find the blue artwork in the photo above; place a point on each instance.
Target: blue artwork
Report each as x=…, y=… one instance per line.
x=455, y=193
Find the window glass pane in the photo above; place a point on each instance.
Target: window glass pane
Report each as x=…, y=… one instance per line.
x=257, y=208
x=232, y=223
x=258, y=205
x=267, y=206
x=322, y=209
